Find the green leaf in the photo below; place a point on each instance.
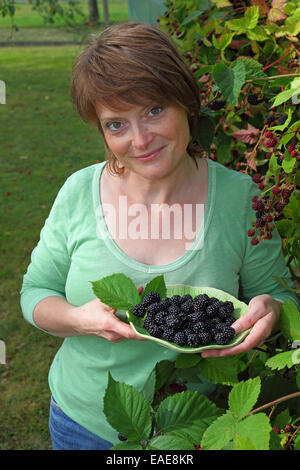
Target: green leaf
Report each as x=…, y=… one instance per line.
x=251, y=17
x=221, y=370
x=255, y=429
x=184, y=361
x=290, y=320
x=206, y=131
x=285, y=227
x=257, y=34
x=117, y=290
x=219, y=433
x=169, y=442
x=243, y=443
x=282, y=97
x=243, y=397
x=156, y=284
x=126, y=410
x=285, y=359
x=163, y=371
x=186, y=413
x=230, y=80
x=148, y=389
x=298, y=378
x=192, y=17
x=297, y=442
x=292, y=209
x=127, y=445
x=253, y=68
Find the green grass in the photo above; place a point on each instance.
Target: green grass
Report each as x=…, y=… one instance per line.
x=31, y=26
x=42, y=142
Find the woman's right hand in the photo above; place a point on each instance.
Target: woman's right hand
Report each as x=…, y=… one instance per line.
x=98, y=319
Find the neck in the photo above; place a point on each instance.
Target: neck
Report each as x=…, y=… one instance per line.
x=173, y=187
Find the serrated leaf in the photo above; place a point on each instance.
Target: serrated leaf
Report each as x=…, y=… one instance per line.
x=219, y=433
x=297, y=442
x=192, y=17
x=127, y=445
x=285, y=359
x=221, y=370
x=243, y=443
x=156, y=284
x=188, y=412
x=282, y=97
x=169, y=442
x=127, y=411
x=117, y=290
x=243, y=397
x=148, y=389
x=230, y=80
x=257, y=34
x=255, y=429
x=251, y=16
x=184, y=361
x=290, y=320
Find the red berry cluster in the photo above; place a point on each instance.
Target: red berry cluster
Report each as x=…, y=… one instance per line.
x=268, y=210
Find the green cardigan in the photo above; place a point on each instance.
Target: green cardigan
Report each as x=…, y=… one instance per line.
x=75, y=248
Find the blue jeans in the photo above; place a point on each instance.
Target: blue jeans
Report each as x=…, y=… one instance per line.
x=66, y=434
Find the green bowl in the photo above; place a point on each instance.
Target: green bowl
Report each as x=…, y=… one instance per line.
x=240, y=308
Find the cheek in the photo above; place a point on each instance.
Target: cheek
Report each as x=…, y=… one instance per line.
x=117, y=146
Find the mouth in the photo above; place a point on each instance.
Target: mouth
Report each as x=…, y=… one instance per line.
x=151, y=155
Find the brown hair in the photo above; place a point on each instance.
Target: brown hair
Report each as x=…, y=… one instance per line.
x=127, y=64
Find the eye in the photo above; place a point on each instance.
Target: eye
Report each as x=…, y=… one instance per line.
x=114, y=125
x=155, y=111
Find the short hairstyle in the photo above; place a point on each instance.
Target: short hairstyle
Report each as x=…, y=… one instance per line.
x=127, y=64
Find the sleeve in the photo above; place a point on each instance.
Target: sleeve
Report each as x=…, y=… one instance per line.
x=264, y=262
x=47, y=272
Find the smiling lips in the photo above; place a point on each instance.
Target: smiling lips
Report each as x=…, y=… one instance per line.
x=150, y=156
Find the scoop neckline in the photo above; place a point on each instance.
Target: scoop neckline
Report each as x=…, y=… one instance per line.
x=104, y=234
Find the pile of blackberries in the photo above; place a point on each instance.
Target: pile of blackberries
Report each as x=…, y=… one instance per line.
x=187, y=321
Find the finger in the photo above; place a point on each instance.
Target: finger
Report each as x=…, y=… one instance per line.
x=255, y=313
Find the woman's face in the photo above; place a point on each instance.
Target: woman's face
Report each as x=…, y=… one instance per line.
x=150, y=140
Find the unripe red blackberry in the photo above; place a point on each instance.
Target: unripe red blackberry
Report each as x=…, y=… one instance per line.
x=268, y=134
x=271, y=142
x=276, y=190
x=257, y=178
x=251, y=232
x=254, y=241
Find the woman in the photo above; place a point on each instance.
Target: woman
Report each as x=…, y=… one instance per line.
x=135, y=87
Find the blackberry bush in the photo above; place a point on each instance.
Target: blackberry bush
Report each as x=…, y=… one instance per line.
x=245, y=58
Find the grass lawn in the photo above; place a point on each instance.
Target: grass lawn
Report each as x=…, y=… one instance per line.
x=42, y=142
x=31, y=26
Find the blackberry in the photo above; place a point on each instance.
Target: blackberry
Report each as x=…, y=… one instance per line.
x=174, y=309
x=224, y=335
x=187, y=307
x=212, y=310
x=229, y=306
x=213, y=300
x=215, y=105
x=148, y=322
x=173, y=320
x=229, y=320
x=193, y=340
x=205, y=338
x=139, y=310
x=253, y=99
x=160, y=318
x=201, y=301
x=185, y=298
x=282, y=119
x=168, y=334
x=154, y=308
x=155, y=331
x=151, y=298
x=223, y=313
x=195, y=317
x=199, y=326
x=180, y=338
x=122, y=438
x=175, y=299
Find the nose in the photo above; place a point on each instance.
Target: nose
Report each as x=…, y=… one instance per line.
x=141, y=137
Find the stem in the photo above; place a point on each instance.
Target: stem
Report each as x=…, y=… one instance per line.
x=292, y=437
x=274, y=402
x=273, y=77
x=153, y=437
x=278, y=60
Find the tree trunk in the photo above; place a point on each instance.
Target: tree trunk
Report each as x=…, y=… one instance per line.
x=105, y=12
x=93, y=11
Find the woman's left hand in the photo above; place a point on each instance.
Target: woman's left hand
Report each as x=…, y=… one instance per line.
x=262, y=316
